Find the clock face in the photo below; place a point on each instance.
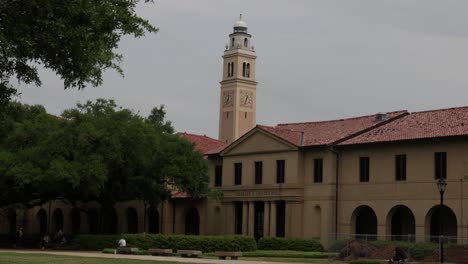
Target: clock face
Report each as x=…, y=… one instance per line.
x=246, y=99
x=228, y=98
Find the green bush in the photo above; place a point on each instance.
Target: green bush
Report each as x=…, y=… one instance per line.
x=298, y=244
x=146, y=241
x=365, y=261
x=417, y=251
x=338, y=245
x=108, y=250
x=286, y=254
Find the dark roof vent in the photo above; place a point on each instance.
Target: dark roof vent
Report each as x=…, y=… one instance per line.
x=380, y=116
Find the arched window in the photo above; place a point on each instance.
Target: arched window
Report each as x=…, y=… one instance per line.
x=11, y=215
x=232, y=69
x=243, y=70
x=192, y=222
x=229, y=70
x=232, y=42
x=42, y=221
x=93, y=221
x=110, y=219
x=75, y=216
x=132, y=220
x=153, y=219
x=247, y=71
x=57, y=220
x=245, y=42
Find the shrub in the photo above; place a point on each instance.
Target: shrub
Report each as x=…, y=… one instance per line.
x=108, y=250
x=279, y=243
x=146, y=241
x=338, y=245
x=365, y=261
x=286, y=254
x=417, y=251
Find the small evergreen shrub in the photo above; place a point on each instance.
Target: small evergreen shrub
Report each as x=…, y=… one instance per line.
x=298, y=244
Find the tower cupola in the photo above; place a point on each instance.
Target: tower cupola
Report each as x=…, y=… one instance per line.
x=240, y=39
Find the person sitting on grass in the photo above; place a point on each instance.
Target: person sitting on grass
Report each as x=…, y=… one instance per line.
x=399, y=257
x=45, y=240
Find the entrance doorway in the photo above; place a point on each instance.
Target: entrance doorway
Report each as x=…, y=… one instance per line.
x=259, y=210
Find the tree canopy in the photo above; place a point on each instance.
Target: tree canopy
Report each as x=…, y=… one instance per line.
x=76, y=39
x=96, y=151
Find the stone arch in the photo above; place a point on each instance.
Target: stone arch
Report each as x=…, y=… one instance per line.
x=11, y=217
x=109, y=221
x=93, y=221
x=317, y=222
x=57, y=220
x=432, y=223
x=153, y=221
x=192, y=222
x=75, y=217
x=41, y=218
x=401, y=224
x=364, y=223
x=132, y=220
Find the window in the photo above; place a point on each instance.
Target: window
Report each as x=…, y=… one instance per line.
x=247, y=70
x=232, y=42
x=243, y=70
x=230, y=69
x=258, y=172
x=238, y=173
x=364, y=169
x=218, y=175
x=238, y=218
x=245, y=42
x=440, y=159
x=318, y=170
x=280, y=164
x=400, y=167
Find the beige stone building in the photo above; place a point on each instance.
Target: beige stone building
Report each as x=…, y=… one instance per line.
x=371, y=176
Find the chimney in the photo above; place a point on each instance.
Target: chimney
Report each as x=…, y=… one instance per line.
x=302, y=139
x=380, y=116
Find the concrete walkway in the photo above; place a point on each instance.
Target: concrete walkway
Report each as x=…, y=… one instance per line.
x=96, y=254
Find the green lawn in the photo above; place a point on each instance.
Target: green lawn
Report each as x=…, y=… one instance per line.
x=23, y=258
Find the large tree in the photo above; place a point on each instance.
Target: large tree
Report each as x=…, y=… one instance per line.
x=74, y=38
x=96, y=151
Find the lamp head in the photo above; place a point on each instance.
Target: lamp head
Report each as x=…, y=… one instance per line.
x=441, y=185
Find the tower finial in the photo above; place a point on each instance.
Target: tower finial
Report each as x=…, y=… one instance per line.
x=240, y=17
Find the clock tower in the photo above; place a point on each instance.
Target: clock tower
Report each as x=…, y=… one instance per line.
x=238, y=87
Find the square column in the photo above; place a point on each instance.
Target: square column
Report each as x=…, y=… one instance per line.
x=273, y=219
x=245, y=215
x=251, y=219
x=266, y=219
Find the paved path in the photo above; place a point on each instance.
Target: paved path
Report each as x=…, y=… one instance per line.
x=155, y=258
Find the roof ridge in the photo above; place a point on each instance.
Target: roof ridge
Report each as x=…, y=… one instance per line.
x=337, y=120
x=185, y=133
x=440, y=109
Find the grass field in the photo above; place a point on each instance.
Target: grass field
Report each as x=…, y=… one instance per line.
x=22, y=258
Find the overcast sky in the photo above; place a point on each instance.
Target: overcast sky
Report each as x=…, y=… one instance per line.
x=317, y=60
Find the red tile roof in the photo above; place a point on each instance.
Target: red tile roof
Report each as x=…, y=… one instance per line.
x=328, y=132
x=418, y=125
x=203, y=143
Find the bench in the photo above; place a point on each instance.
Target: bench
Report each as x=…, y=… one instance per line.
x=160, y=251
x=127, y=250
x=189, y=253
x=230, y=254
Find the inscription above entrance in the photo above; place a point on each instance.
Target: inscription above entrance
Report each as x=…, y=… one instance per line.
x=257, y=193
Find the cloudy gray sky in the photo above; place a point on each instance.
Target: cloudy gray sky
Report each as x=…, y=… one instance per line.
x=317, y=60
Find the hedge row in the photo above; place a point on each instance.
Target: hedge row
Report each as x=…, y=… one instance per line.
x=281, y=243
x=146, y=241
x=417, y=251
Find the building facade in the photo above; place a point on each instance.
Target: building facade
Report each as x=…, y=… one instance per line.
x=371, y=176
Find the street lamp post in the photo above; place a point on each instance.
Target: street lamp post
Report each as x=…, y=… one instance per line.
x=441, y=185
